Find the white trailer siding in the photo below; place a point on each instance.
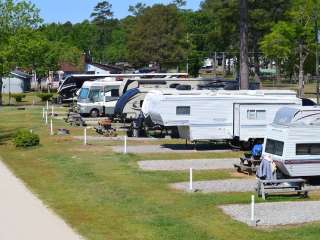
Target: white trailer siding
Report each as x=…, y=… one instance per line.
x=217, y=115
x=301, y=129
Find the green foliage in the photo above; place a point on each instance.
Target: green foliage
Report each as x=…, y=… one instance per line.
x=102, y=12
x=25, y=138
x=158, y=36
x=18, y=96
x=45, y=96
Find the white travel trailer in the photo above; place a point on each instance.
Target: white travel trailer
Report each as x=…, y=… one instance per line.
x=293, y=141
x=217, y=115
x=98, y=98
x=133, y=92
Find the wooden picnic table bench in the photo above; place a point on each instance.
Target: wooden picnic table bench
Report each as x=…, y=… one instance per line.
x=279, y=186
x=248, y=165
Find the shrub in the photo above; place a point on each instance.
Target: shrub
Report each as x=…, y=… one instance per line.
x=45, y=96
x=24, y=138
x=18, y=96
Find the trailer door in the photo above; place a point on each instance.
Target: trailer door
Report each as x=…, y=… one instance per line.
x=253, y=120
x=236, y=119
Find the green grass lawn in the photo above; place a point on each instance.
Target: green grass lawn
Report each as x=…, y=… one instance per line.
x=104, y=195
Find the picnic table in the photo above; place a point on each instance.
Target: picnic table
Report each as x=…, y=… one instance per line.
x=281, y=186
x=248, y=165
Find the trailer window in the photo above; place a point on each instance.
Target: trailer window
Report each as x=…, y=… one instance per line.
x=256, y=115
x=183, y=110
x=96, y=95
x=274, y=147
x=115, y=93
x=308, y=149
x=84, y=93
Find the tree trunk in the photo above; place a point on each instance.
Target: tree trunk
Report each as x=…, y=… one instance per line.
x=223, y=64
x=301, y=71
x=256, y=67
x=244, y=70
x=278, y=78
x=1, y=83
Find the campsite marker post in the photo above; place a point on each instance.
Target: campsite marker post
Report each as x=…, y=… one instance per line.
x=52, y=110
x=191, y=179
x=85, y=136
x=252, y=211
x=47, y=105
x=51, y=127
x=46, y=117
x=125, y=145
x=43, y=114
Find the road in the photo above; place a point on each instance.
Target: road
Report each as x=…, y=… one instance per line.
x=24, y=217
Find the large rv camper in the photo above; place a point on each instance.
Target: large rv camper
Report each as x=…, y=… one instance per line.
x=217, y=115
x=98, y=98
x=293, y=142
x=133, y=92
x=72, y=83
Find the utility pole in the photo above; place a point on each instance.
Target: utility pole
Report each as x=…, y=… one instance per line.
x=317, y=38
x=244, y=69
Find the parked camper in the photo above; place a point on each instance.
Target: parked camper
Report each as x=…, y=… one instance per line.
x=134, y=91
x=217, y=115
x=98, y=98
x=293, y=142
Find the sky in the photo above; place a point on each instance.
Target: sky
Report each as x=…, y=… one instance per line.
x=79, y=10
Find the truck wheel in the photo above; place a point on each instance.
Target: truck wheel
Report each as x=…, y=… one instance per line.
x=94, y=113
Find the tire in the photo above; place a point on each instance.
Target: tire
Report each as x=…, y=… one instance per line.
x=94, y=113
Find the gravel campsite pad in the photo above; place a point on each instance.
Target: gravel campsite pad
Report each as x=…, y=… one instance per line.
x=180, y=165
x=119, y=138
x=168, y=148
x=276, y=214
x=230, y=185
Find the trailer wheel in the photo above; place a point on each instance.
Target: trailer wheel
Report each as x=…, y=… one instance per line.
x=94, y=113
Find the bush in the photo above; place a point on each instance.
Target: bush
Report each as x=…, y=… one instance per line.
x=24, y=138
x=18, y=96
x=45, y=96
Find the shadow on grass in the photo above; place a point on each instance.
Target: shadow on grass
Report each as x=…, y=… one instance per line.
x=198, y=147
x=6, y=135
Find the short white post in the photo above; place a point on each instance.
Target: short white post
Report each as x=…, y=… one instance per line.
x=52, y=110
x=85, y=136
x=191, y=179
x=51, y=127
x=46, y=117
x=43, y=114
x=47, y=105
x=33, y=102
x=252, y=211
x=125, y=145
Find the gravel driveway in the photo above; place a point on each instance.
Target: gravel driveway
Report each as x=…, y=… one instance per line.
x=180, y=165
x=168, y=148
x=24, y=217
x=276, y=214
x=230, y=185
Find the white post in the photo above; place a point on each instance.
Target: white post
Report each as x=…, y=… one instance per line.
x=252, y=211
x=46, y=117
x=33, y=102
x=191, y=179
x=52, y=110
x=125, y=145
x=51, y=127
x=43, y=114
x=47, y=105
x=85, y=136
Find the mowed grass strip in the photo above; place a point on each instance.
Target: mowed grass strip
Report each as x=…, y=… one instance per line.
x=104, y=195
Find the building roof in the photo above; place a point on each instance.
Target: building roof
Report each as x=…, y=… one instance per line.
x=20, y=74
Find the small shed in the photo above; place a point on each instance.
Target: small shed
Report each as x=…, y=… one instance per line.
x=16, y=82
